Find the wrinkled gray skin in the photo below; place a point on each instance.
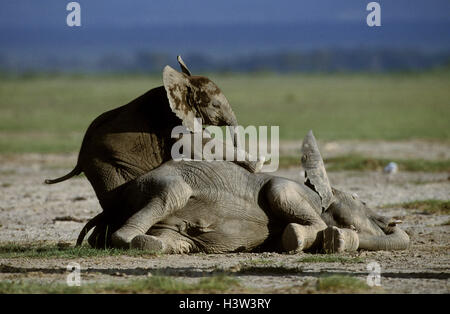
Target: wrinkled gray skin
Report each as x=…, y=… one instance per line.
x=127, y=142
x=217, y=207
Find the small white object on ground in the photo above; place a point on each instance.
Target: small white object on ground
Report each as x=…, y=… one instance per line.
x=391, y=168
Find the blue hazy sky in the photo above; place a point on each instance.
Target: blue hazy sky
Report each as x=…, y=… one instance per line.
x=121, y=13
x=34, y=32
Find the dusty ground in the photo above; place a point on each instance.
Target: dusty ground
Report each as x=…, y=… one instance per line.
x=28, y=209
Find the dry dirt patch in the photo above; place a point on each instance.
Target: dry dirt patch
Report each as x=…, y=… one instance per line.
x=31, y=212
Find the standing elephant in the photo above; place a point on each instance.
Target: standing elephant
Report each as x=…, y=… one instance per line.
x=217, y=207
x=125, y=143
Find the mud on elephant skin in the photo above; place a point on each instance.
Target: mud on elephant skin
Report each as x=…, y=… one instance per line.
x=217, y=207
x=122, y=144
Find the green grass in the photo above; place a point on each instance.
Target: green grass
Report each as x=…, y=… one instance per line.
x=361, y=163
x=340, y=283
x=330, y=258
x=289, y=161
x=51, y=113
x=53, y=251
x=426, y=206
x=355, y=162
x=154, y=284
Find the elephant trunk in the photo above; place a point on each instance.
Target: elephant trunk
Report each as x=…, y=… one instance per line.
x=232, y=124
x=235, y=136
x=397, y=240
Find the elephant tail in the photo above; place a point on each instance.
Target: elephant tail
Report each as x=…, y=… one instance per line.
x=76, y=171
x=90, y=224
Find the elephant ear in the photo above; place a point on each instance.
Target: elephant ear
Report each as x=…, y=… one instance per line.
x=178, y=91
x=315, y=174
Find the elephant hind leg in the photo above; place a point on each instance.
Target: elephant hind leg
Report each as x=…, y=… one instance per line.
x=287, y=201
x=149, y=243
x=163, y=241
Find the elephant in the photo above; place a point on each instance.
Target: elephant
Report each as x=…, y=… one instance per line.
x=218, y=207
x=127, y=142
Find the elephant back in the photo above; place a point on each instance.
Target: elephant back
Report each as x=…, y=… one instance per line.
x=126, y=142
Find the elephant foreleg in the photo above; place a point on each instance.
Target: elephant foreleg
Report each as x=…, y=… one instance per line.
x=336, y=240
x=165, y=195
x=286, y=200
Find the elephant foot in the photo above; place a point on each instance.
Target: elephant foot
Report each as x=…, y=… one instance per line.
x=336, y=240
x=121, y=239
x=293, y=238
x=333, y=240
x=148, y=243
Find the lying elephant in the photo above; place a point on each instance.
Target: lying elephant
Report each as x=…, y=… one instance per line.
x=216, y=207
x=127, y=142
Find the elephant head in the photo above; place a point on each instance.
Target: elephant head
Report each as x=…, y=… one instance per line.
x=192, y=97
x=346, y=210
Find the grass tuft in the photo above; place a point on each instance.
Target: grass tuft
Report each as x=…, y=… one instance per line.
x=331, y=258
x=155, y=284
x=12, y=250
x=289, y=161
x=425, y=206
x=341, y=284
